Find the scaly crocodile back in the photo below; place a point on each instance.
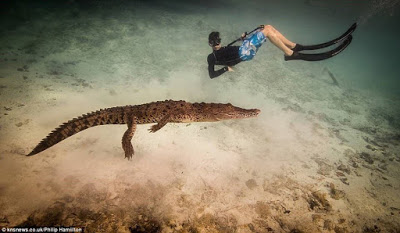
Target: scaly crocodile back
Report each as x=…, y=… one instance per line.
x=101, y=117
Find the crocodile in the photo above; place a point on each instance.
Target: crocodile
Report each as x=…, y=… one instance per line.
x=160, y=112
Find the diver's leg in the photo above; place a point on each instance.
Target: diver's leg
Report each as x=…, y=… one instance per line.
x=271, y=34
x=287, y=42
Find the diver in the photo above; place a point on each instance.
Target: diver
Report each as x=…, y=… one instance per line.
x=231, y=55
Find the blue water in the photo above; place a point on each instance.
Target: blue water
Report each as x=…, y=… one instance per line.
x=370, y=62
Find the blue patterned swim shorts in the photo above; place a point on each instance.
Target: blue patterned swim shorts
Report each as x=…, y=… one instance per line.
x=250, y=46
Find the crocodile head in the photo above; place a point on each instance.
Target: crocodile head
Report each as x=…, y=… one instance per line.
x=218, y=112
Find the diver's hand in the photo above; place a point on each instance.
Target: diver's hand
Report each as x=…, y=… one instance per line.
x=230, y=69
x=243, y=35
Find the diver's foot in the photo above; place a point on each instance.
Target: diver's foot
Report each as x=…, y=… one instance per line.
x=289, y=53
x=298, y=47
x=294, y=56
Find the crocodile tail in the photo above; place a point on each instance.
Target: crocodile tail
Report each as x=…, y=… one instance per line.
x=76, y=125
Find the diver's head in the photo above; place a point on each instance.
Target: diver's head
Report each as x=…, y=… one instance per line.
x=214, y=40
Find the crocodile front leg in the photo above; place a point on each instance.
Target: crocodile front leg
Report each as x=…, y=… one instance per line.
x=126, y=139
x=160, y=124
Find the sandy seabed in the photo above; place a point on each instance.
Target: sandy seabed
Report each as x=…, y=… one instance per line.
x=320, y=157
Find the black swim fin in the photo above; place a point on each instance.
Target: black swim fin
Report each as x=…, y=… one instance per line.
x=300, y=47
x=320, y=56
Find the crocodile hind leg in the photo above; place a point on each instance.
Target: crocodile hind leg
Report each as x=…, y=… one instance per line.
x=126, y=139
x=160, y=124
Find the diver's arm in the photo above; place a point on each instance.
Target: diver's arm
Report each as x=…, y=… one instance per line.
x=211, y=63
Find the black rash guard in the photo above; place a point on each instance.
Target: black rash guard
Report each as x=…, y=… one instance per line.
x=228, y=56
